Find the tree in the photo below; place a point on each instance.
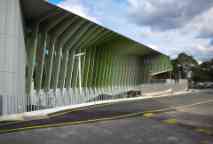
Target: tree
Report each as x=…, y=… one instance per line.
x=185, y=63
x=182, y=65
x=205, y=72
x=208, y=65
x=186, y=60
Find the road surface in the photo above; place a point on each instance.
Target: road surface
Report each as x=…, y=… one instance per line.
x=182, y=119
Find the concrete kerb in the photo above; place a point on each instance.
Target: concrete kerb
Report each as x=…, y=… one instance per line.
x=40, y=114
x=169, y=91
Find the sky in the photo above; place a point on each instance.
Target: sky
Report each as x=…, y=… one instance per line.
x=169, y=26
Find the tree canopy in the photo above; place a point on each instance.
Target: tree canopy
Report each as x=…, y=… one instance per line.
x=184, y=63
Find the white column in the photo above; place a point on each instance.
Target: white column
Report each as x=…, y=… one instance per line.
x=12, y=58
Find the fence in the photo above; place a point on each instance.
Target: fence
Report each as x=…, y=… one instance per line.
x=73, y=96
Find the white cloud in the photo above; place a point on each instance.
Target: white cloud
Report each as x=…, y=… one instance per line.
x=203, y=24
x=155, y=47
x=204, y=48
x=147, y=32
x=78, y=8
x=166, y=14
x=175, y=26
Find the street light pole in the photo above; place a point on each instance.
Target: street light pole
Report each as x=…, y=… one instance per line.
x=79, y=55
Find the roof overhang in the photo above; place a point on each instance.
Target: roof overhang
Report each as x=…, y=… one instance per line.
x=34, y=10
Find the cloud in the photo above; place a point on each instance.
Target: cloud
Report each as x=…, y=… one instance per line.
x=199, y=52
x=203, y=52
x=204, y=49
x=77, y=7
x=155, y=47
x=164, y=15
x=147, y=32
x=211, y=42
x=203, y=24
x=176, y=26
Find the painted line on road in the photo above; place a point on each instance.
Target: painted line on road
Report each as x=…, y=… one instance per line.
x=180, y=107
x=195, y=104
x=204, y=131
x=9, y=123
x=72, y=123
x=205, y=142
x=101, y=119
x=148, y=115
x=171, y=121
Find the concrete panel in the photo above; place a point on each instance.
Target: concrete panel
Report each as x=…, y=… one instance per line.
x=2, y=17
x=1, y=105
x=12, y=57
x=2, y=53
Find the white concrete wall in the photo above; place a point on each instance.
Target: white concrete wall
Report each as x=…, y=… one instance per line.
x=182, y=85
x=12, y=57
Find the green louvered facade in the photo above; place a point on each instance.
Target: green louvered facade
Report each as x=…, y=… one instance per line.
x=110, y=64
x=109, y=61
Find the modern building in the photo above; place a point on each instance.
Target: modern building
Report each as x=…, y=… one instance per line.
x=51, y=57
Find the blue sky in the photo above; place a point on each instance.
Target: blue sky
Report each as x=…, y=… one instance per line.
x=169, y=26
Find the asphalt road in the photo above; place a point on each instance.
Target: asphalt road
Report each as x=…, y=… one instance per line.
x=184, y=119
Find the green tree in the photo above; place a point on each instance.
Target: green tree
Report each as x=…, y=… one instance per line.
x=186, y=60
x=200, y=73
x=183, y=64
